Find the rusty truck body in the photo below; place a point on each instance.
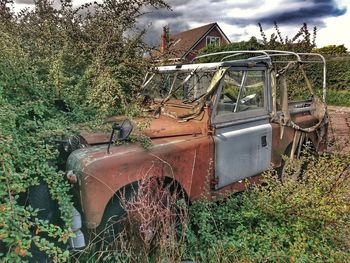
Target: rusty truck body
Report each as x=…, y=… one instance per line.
x=213, y=126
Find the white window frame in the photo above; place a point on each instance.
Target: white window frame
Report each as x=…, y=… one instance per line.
x=213, y=40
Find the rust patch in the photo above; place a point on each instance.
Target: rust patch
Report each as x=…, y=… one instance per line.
x=184, y=158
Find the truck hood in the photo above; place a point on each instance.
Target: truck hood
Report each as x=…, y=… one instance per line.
x=157, y=128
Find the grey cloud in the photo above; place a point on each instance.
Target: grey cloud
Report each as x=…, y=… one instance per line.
x=55, y=3
x=27, y=2
x=204, y=11
x=227, y=5
x=178, y=2
x=184, y=12
x=237, y=36
x=161, y=14
x=313, y=13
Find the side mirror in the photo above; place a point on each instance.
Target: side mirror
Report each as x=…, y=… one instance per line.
x=124, y=129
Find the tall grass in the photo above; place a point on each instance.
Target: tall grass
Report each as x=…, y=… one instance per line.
x=338, y=97
x=152, y=230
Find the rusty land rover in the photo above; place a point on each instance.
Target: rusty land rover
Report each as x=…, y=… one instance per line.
x=212, y=125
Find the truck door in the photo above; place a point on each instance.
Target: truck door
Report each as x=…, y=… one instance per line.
x=243, y=134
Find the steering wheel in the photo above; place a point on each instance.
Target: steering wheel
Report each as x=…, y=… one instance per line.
x=232, y=98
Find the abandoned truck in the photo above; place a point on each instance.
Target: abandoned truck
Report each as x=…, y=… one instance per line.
x=213, y=126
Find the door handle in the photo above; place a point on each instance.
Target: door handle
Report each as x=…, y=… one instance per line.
x=263, y=141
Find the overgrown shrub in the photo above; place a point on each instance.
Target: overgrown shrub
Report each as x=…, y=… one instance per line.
x=332, y=50
x=59, y=66
x=305, y=220
x=152, y=229
x=340, y=98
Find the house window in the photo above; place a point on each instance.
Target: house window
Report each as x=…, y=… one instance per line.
x=215, y=41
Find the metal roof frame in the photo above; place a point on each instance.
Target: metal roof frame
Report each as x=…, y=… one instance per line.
x=262, y=56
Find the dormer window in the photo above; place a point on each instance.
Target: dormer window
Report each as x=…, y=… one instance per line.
x=214, y=41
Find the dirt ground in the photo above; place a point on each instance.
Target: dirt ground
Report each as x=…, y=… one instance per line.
x=339, y=129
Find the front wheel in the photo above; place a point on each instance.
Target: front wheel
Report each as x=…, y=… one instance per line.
x=113, y=220
x=48, y=209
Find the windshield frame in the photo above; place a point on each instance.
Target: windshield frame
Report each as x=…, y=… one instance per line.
x=173, y=88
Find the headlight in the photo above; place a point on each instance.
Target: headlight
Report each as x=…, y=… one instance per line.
x=72, y=144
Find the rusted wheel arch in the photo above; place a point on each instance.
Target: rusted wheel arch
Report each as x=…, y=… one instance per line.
x=125, y=193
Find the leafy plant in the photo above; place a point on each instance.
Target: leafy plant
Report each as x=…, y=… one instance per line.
x=294, y=220
x=332, y=50
x=59, y=66
x=302, y=41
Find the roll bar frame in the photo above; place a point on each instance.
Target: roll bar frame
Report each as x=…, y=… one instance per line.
x=268, y=55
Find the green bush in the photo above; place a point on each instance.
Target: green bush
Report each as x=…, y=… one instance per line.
x=338, y=72
x=332, y=50
x=339, y=98
x=304, y=220
x=58, y=67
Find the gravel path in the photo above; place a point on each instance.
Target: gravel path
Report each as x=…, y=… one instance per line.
x=339, y=129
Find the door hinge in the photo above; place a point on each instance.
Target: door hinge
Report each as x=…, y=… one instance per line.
x=214, y=182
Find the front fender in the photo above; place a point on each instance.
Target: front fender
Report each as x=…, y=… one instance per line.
x=101, y=175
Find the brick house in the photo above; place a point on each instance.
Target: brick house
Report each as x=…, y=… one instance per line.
x=184, y=46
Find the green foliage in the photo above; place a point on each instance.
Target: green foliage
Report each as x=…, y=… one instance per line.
x=25, y=160
x=251, y=44
x=339, y=98
x=332, y=50
x=338, y=72
x=59, y=66
x=302, y=41
x=304, y=220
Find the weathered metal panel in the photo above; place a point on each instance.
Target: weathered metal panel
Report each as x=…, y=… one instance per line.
x=101, y=175
x=242, y=151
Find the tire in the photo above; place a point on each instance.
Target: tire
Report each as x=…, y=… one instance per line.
x=112, y=221
x=39, y=198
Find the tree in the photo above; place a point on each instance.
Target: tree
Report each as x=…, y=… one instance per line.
x=92, y=62
x=300, y=42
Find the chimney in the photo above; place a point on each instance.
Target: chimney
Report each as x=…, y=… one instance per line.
x=164, y=39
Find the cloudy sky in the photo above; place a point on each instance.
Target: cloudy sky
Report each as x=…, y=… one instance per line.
x=239, y=19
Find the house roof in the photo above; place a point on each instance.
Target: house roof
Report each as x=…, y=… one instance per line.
x=182, y=43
